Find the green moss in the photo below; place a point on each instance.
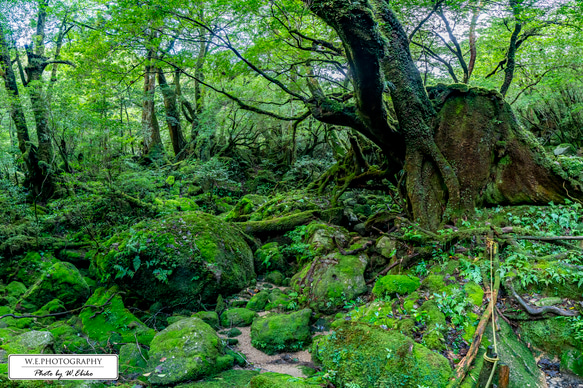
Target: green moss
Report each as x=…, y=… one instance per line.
x=181, y=259
x=132, y=359
x=61, y=281
x=237, y=317
x=30, y=342
x=552, y=335
x=336, y=279
x=275, y=333
x=245, y=207
x=15, y=289
x=269, y=257
x=524, y=370
x=100, y=325
x=186, y=350
x=368, y=356
x=258, y=301
x=278, y=380
x=209, y=317
x=228, y=379
x=433, y=283
x=572, y=362
x=69, y=339
x=277, y=299
x=474, y=292
x=436, y=326
x=28, y=269
x=396, y=284
x=410, y=301
x=276, y=278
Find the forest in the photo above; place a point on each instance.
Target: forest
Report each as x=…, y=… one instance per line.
x=292, y=193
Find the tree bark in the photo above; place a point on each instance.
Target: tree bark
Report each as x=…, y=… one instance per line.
x=512, y=48
x=28, y=150
x=172, y=114
x=462, y=141
x=153, y=148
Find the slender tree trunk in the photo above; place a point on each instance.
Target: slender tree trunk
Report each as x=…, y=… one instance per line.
x=153, y=147
x=28, y=150
x=473, y=49
x=512, y=48
x=172, y=114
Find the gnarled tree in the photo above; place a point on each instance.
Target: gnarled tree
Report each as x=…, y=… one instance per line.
x=464, y=148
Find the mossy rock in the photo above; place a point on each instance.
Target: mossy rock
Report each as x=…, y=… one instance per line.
x=54, y=306
x=186, y=350
x=276, y=333
x=234, y=378
x=175, y=318
x=277, y=299
x=572, y=362
x=69, y=339
x=15, y=289
x=396, y=284
x=31, y=267
x=30, y=342
x=553, y=335
x=336, y=278
x=269, y=257
x=238, y=317
x=276, y=278
x=321, y=236
x=433, y=336
x=181, y=259
x=132, y=360
x=258, y=301
x=524, y=371
x=61, y=281
x=369, y=356
x=433, y=283
x=386, y=246
x=474, y=292
x=113, y=321
x=210, y=317
x=278, y=380
x=175, y=203
x=246, y=205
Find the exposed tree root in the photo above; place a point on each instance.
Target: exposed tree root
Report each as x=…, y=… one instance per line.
x=281, y=224
x=537, y=311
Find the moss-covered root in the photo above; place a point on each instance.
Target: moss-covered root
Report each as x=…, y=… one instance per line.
x=280, y=224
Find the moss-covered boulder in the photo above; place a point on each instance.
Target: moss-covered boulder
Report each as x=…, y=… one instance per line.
x=554, y=335
x=28, y=269
x=333, y=280
x=436, y=327
x=15, y=289
x=433, y=283
x=277, y=278
x=277, y=300
x=186, y=350
x=524, y=371
x=69, y=337
x=132, y=360
x=396, y=284
x=246, y=205
x=572, y=362
x=113, y=322
x=258, y=301
x=269, y=257
x=278, y=380
x=30, y=342
x=276, y=333
x=209, y=317
x=61, y=281
x=237, y=317
x=234, y=378
x=368, y=356
x=181, y=259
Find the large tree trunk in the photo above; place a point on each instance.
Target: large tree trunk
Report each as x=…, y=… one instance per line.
x=172, y=114
x=34, y=177
x=469, y=152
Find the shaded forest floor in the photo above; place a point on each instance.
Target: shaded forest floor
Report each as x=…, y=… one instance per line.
x=161, y=266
